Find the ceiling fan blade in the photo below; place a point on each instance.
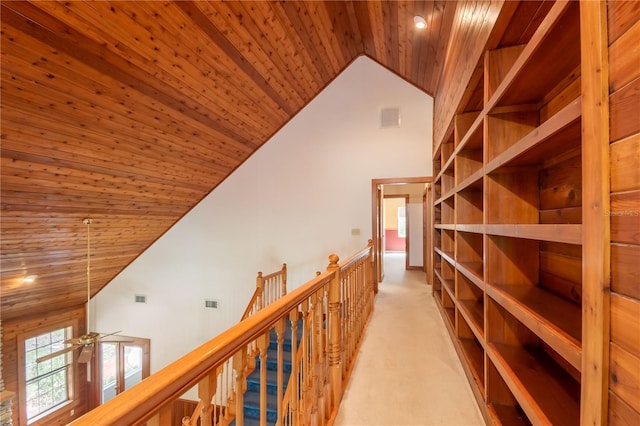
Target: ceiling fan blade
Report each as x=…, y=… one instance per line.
x=102, y=336
x=85, y=354
x=55, y=354
x=73, y=341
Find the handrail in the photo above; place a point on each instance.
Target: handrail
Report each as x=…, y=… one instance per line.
x=150, y=401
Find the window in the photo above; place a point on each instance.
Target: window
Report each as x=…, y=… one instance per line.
x=402, y=222
x=46, y=382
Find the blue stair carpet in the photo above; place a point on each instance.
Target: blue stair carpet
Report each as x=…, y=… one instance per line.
x=252, y=394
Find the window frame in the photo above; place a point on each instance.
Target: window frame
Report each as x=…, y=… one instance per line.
x=72, y=377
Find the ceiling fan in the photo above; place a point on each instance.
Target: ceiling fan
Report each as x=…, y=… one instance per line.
x=87, y=341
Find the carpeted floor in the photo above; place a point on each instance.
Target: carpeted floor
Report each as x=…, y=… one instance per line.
x=407, y=371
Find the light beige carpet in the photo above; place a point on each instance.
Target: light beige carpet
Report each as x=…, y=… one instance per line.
x=407, y=371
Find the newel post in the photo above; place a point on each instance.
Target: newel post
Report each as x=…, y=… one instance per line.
x=335, y=339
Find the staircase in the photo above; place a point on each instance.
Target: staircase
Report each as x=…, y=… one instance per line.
x=252, y=394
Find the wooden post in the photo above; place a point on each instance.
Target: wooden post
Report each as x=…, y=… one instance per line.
x=206, y=390
x=596, y=244
x=335, y=367
x=239, y=366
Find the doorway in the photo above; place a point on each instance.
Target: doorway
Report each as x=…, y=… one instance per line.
x=122, y=364
x=377, y=196
x=395, y=220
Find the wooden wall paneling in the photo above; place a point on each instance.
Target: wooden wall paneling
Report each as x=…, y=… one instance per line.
x=596, y=242
x=624, y=214
x=625, y=329
x=625, y=375
x=625, y=103
x=625, y=217
x=441, y=24
x=620, y=413
x=455, y=74
x=622, y=15
x=561, y=270
x=625, y=269
x=625, y=164
x=623, y=56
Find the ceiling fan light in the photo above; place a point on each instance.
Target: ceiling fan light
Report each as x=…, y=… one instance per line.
x=420, y=22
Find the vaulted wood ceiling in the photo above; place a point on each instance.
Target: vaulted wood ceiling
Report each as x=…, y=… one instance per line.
x=131, y=112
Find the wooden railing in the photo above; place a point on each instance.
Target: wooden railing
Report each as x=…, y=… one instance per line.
x=221, y=411
x=269, y=288
x=332, y=309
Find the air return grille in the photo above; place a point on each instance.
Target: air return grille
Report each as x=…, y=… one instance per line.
x=139, y=298
x=390, y=117
x=211, y=304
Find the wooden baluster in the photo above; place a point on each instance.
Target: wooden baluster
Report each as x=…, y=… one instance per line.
x=280, y=328
x=263, y=343
x=319, y=353
x=335, y=337
x=260, y=289
x=284, y=279
x=293, y=317
x=239, y=365
x=313, y=358
x=305, y=362
x=206, y=391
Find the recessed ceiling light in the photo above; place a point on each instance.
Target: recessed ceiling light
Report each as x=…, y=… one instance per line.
x=420, y=22
x=29, y=279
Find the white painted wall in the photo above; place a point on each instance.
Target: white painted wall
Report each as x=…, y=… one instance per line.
x=295, y=201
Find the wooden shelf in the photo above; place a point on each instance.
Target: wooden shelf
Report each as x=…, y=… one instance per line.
x=546, y=393
x=474, y=315
x=559, y=233
x=553, y=52
x=449, y=285
x=472, y=228
x=445, y=226
x=474, y=354
x=448, y=306
x=559, y=134
x=473, y=271
x=449, y=257
x=556, y=321
x=507, y=415
x=473, y=181
x=510, y=232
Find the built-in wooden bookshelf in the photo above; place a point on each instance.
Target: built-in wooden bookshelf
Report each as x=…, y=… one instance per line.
x=508, y=228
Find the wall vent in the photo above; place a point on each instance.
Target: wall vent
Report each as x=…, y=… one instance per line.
x=139, y=298
x=214, y=304
x=390, y=117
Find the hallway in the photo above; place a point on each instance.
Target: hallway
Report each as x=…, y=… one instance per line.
x=407, y=371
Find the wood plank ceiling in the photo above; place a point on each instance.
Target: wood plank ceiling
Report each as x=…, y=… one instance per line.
x=131, y=112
